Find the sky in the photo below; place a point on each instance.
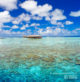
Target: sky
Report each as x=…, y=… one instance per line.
x=39, y=17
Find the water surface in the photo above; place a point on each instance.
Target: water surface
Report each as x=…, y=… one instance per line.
x=50, y=59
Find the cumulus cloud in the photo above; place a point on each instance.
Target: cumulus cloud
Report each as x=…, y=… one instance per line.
x=34, y=9
x=77, y=29
x=22, y=17
x=24, y=27
x=1, y=25
x=15, y=21
x=15, y=27
x=26, y=18
x=57, y=14
x=29, y=5
x=49, y=31
x=59, y=24
x=38, y=12
x=8, y=4
x=4, y=26
x=44, y=11
x=5, y=17
x=36, y=18
x=10, y=33
x=75, y=13
x=35, y=24
x=68, y=22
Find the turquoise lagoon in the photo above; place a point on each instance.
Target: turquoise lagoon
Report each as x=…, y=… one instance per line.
x=50, y=59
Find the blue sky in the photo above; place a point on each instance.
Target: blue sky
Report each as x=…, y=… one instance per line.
x=43, y=17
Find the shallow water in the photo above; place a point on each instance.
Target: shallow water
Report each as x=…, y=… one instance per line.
x=50, y=59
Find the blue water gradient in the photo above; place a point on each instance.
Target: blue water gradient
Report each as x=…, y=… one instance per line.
x=50, y=59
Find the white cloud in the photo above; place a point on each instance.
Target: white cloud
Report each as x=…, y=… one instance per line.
x=56, y=31
x=66, y=32
x=38, y=12
x=42, y=10
x=10, y=33
x=53, y=22
x=24, y=27
x=34, y=9
x=15, y=27
x=27, y=25
x=46, y=32
x=49, y=31
x=5, y=17
x=59, y=24
x=57, y=14
x=77, y=29
x=28, y=32
x=68, y=22
x=8, y=4
x=75, y=13
x=29, y=5
x=36, y=17
x=1, y=25
x=35, y=24
x=22, y=17
x=47, y=18
x=26, y=18
x=15, y=21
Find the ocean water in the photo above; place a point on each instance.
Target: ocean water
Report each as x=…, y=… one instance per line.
x=50, y=59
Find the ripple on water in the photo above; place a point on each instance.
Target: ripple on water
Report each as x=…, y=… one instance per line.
x=47, y=59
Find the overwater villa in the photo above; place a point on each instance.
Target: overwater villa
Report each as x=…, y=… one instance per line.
x=33, y=36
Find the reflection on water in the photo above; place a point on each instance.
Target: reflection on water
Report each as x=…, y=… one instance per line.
x=48, y=59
